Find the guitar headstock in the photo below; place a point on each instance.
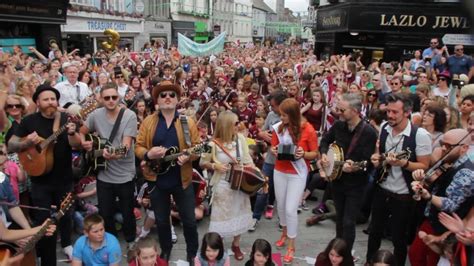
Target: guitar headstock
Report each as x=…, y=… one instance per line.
x=88, y=108
x=66, y=203
x=404, y=155
x=362, y=165
x=202, y=148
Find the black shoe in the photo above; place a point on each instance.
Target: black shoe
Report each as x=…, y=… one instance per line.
x=165, y=255
x=191, y=260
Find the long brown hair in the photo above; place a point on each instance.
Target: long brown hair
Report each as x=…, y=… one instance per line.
x=225, y=126
x=291, y=108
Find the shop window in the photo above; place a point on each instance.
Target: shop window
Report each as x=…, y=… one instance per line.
x=82, y=2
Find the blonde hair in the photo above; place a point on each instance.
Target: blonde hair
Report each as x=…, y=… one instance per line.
x=467, y=90
x=225, y=126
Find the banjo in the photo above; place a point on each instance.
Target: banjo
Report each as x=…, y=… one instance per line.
x=336, y=161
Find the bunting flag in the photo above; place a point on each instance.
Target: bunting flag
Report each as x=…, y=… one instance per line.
x=188, y=47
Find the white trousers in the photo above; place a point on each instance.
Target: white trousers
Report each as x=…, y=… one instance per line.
x=288, y=191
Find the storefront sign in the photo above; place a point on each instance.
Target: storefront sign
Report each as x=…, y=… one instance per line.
x=454, y=39
x=435, y=18
x=79, y=24
x=53, y=11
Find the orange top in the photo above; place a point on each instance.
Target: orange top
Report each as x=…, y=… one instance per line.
x=308, y=141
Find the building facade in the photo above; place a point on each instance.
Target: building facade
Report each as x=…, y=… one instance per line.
x=31, y=23
x=88, y=19
x=157, y=22
x=260, y=13
x=386, y=29
x=191, y=18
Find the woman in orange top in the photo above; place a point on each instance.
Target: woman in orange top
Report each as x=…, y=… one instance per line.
x=290, y=176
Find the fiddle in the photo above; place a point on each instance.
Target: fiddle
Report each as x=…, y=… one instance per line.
x=430, y=176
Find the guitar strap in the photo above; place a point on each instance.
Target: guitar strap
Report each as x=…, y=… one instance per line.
x=116, y=126
x=184, y=124
x=355, y=138
x=57, y=121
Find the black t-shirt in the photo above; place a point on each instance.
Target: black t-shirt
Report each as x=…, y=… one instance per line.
x=62, y=152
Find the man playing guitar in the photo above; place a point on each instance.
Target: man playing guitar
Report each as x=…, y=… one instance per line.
x=158, y=132
x=117, y=180
x=48, y=188
x=394, y=194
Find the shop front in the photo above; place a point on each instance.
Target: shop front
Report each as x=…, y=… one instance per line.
x=184, y=27
x=385, y=30
x=157, y=31
x=87, y=34
x=31, y=23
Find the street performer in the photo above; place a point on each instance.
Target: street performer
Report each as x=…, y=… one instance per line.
x=451, y=193
x=48, y=188
x=357, y=139
x=117, y=180
x=393, y=194
x=158, y=132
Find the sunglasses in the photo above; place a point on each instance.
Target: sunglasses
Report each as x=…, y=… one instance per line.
x=170, y=94
x=119, y=77
x=17, y=106
x=433, y=43
x=448, y=146
x=395, y=83
x=372, y=94
x=443, y=79
x=113, y=97
x=459, y=49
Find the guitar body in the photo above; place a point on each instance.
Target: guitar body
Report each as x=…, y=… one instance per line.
x=162, y=165
x=29, y=259
x=37, y=161
x=94, y=159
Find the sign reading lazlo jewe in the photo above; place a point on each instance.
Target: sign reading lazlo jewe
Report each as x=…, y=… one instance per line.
x=443, y=22
x=446, y=18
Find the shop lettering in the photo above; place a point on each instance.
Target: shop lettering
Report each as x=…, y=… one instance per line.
x=332, y=21
x=403, y=21
x=103, y=25
x=422, y=21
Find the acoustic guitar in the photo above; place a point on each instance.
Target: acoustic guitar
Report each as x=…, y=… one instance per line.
x=94, y=159
x=38, y=160
x=161, y=166
x=28, y=248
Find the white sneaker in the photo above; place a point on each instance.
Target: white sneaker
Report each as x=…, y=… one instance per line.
x=174, y=237
x=144, y=233
x=68, y=252
x=254, y=225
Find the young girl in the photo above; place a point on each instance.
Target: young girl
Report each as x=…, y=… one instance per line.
x=212, y=251
x=145, y=253
x=335, y=254
x=261, y=254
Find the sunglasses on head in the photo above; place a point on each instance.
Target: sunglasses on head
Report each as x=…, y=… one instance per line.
x=171, y=94
x=17, y=106
x=113, y=97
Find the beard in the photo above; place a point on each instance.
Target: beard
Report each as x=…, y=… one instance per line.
x=50, y=110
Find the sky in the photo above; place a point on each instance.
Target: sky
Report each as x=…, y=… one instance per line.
x=297, y=5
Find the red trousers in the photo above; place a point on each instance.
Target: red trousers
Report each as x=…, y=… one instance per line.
x=420, y=254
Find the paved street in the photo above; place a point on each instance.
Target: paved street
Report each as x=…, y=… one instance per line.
x=310, y=241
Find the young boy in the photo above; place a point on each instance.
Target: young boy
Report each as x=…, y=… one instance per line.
x=96, y=247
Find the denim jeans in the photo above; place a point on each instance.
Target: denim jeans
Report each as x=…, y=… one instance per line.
x=400, y=210
x=347, y=199
x=184, y=198
x=106, y=196
x=45, y=195
x=261, y=198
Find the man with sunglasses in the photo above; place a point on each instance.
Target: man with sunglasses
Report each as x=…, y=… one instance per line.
x=117, y=180
x=158, y=132
x=459, y=63
x=451, y=192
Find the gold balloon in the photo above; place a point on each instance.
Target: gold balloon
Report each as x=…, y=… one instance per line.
x=113, y=38
x=53, y=44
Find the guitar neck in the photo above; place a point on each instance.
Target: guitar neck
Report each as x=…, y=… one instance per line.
x=53, y=137
x=34, y=239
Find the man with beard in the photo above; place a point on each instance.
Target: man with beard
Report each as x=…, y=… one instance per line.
x=393, y=193
x=117, y=180
x=451, y=193
x=49, y=188
x=357, y=139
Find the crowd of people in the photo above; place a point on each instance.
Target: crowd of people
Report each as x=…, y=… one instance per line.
x=162, y=135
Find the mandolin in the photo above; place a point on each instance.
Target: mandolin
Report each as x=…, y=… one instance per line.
x=38, y=160
x=383, y=172
x=161, y=166
x=27, y=249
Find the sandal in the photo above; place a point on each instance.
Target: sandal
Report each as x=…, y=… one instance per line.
x=290, y=254
x=282, y=241
x=238, y=255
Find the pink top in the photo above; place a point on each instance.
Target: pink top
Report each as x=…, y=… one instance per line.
x=12, y=170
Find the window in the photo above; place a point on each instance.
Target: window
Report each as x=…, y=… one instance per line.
x=82, y=2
